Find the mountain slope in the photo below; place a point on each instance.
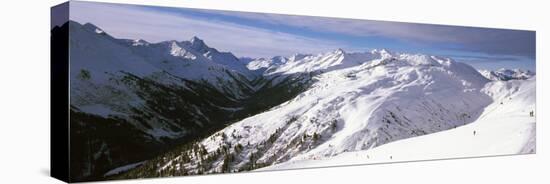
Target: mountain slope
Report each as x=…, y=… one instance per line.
x=355, y=103
x=131, y=99
x=503, y=129
x=126, y=107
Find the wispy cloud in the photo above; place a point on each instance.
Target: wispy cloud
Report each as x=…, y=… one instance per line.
x=486, y=40
x=485, y=58
x=265, y=35
x=492, y=62
x=124, y=21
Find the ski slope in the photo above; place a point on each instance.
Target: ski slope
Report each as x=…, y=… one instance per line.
x=504, y=128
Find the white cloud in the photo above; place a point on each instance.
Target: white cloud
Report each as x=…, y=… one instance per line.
x=485, y=40
x=356, y=27
x=125, y=21
x=128, y=21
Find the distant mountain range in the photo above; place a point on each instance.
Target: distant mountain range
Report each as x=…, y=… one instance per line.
x=507, y=74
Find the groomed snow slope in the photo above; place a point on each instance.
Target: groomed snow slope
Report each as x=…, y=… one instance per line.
x=504, y=128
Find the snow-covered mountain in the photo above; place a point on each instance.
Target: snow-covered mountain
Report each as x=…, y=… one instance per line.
x=359, y=101
x=323, y=62
x=504, y=128
x=113, y=77
x=131, y=99
x=182, y=107
x=507, y=74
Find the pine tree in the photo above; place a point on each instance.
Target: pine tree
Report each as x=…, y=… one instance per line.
x=84, y=74
x=334, y=125
x=316, y=136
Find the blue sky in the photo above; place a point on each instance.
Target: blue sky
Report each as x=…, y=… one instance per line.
x=268, y=35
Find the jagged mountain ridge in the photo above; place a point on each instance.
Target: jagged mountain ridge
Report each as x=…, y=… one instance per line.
x=131, y=99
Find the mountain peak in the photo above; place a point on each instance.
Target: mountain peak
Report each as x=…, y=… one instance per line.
x=298, y=56
x=93, y=28
x=339, y=51
x=196, y=39
x=139, y=42
x=383, y=52
x=197, y=43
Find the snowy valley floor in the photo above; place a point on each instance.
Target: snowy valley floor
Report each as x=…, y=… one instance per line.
x=504, y=128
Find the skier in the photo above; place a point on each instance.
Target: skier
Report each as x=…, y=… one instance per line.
x=474, y=132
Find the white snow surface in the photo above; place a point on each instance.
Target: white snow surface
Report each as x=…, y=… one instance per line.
x=300, y=63
x=504, y=128
x=121, y=169
x=362, y=101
